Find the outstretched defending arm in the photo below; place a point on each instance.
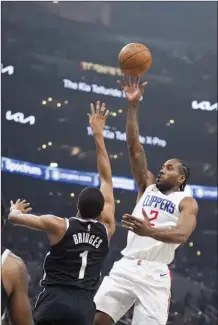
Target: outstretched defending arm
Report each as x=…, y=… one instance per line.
x=51, y=224
x=138, y=161
x=97, y=120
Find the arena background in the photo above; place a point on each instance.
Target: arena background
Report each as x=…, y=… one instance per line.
x=57, y=58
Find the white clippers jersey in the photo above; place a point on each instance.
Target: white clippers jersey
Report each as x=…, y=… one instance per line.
x=163, y=212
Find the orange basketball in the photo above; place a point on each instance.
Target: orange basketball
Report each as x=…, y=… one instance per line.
x=135, y=59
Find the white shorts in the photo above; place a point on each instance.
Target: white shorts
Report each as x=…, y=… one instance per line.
x=144, y=284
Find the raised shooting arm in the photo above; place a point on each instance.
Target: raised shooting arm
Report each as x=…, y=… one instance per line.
x=138, y=160
x=97, y=120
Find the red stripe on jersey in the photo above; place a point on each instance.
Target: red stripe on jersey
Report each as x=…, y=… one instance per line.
x=169, y=299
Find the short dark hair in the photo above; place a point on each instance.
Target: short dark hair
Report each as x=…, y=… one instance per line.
x=184, y=170
x=3, y=212
x=90, y=203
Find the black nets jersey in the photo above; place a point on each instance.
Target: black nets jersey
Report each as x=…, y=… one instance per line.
x=4, y=296
x=78, y=258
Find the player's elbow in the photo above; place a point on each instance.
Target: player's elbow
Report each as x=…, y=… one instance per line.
x=108, y=180
x=185, y=232
x=111, y=229
x=183, y=237
x=177, y=239
x=141, y=186
x=135, y=149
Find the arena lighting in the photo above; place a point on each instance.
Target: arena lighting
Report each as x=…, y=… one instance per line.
x=198, y=253
x=120, y=111
x=53, y=164
x=58, y=104
x=116, y=156
x=44, y=102
x=72, y=194
x=118, y=201
x=66, y=102
x=191, y=244
x=75, y=151
x=50, y=143
x=44, y=146
x=49, y=99
x=172, y=121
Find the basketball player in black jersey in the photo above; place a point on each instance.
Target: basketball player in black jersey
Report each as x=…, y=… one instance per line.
x=14, y=285
x=79, y=245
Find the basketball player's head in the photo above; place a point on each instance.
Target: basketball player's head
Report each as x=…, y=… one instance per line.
x=3, y=212
x=173, y=175
x=90, y=203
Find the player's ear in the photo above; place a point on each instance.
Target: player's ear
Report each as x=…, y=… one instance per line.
x=181, y=179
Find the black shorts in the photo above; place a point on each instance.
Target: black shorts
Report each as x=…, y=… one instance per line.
x=64, y=306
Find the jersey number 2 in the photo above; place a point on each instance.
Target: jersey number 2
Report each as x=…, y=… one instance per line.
x=155, y=214
x=84, y=256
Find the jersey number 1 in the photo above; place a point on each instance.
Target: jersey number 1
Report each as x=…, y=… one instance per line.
x=84, y=256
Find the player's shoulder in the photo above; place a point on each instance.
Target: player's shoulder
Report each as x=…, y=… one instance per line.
x=181, y=195
x=103, y=227
x=14, y=262
x=14, y=268
x=151, y=188
x=188, y=201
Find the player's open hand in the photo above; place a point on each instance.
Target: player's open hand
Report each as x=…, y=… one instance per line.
x=132, y=89
x=98, y=117
x=22, y=206
x=138, y=226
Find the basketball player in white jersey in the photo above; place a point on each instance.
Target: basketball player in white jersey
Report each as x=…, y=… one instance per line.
x=163, y=219
x=14, y=285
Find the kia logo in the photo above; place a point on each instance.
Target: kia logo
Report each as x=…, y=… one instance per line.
x=19, y=118
x=204, y=106
x=9, y=69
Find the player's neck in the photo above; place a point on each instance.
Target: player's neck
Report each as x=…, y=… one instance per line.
x=172, y=190
x=78, y=215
